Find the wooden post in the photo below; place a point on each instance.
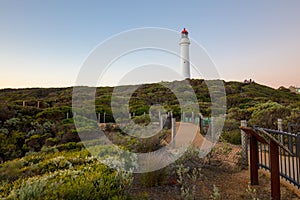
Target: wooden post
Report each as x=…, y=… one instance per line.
x=274, y=159
x=159, y=115
x=298, y=145
x=201, y=123
x=173, y=121
x=275, y=180
x=99, y=117
x=161, y=122
x=279, y=126
x=24, y=103
x=193, y=117
x=67, y=115
x=244, y=141
x=212, y=129
x=253, y=160
x=38, y=104
x=104, y=117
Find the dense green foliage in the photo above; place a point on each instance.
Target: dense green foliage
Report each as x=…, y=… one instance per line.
x=43, y=158
x=62, y=175
x=43, y=120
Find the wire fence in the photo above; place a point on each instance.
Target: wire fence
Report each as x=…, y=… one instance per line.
x=289, y=163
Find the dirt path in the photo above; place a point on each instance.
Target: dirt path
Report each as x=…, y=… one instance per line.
x=224, y=172
x=188, y=132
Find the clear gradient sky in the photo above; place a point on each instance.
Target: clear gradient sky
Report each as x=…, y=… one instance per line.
x=44, y=43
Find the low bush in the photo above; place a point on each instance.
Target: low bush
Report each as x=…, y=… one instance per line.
x=154, y=178
x=231, y=132
x=51, y=141
x=70, y=146
x=142, y=119
x=233, y=137
x=94, y=181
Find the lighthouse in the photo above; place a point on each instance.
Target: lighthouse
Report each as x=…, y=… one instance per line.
x=184, y=54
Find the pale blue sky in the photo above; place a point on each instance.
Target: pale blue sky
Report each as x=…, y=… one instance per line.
x=44, y=43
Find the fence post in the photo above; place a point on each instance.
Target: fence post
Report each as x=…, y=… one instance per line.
x=275, y=180
x=289, y=127
x=244, y=141
x=161, y=122
x=193, y=117
x=280, y=128
x=298, y=145
x=201, y=124
x=280, y=125
x=159, y=115
x=173, y=120
x=254, y=160
x=212, y=128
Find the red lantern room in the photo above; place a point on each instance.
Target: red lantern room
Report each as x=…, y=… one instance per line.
x=184, y=31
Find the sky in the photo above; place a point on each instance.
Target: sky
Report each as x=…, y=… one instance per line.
x=45, y=43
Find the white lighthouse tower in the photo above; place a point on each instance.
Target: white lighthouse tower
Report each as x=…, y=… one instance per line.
x=185, y=58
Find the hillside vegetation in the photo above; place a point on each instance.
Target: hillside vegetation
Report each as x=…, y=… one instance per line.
x=29, y=128
x=43, y=157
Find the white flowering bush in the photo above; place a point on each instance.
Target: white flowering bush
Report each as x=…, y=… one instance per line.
x=64, y=175
x=56, y=163
x=91, y=181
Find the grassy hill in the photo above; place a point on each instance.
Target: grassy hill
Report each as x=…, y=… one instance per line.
x=42, y=121
x=39, y=144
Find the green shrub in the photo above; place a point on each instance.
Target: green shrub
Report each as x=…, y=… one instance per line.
x=54, y=164
x=154, y=178
x=49, y=149
x=267, y=114
x=51, y=141
x=69, y=146
x=53, y=114
x=233, y=137
x=94, y=181
x=34, y=143
x=11, y=170
x=33, y=157
x=68, y=121
x=142, y=119
x=188, y=179
x=5, y=188
x=31, y=190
